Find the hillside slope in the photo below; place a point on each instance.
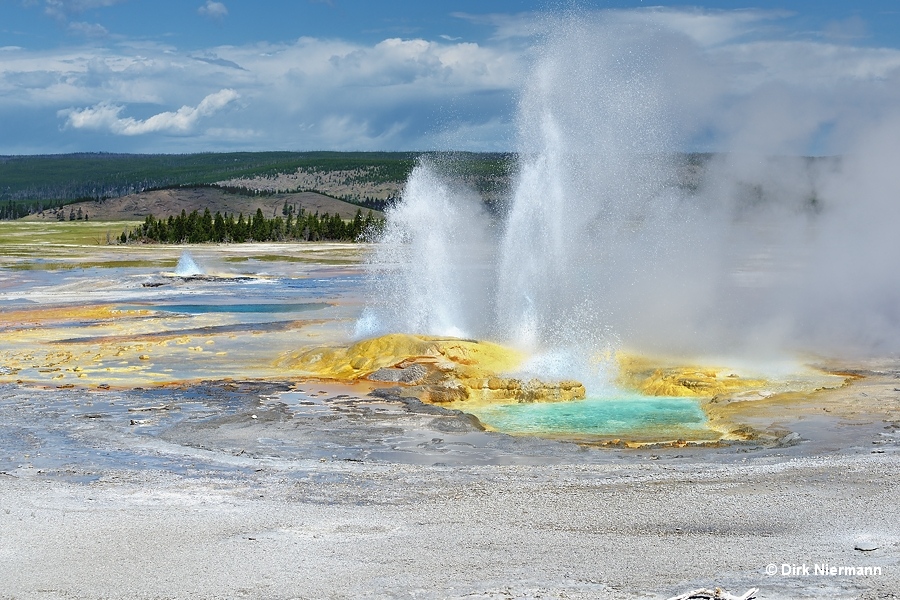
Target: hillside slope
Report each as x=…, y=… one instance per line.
x=162, y=203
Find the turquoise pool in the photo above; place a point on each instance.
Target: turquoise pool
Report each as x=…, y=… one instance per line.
x=629, y=417
x=198, y=309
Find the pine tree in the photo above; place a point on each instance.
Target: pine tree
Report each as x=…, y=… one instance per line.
x=218, y=228
x=258, y=227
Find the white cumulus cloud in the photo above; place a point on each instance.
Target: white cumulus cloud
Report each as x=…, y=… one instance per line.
x=62, y=9
x=91, y=30
x=105, y=116
x=705, y=27
x=213, y=10
x=402, y=93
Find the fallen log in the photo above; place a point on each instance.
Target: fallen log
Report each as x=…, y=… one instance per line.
x=716, y=594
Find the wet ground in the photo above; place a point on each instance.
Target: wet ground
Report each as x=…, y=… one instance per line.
x=203, y=471
x=237, y=427
x=264, y=490
x=102, y=331
x=110, y=316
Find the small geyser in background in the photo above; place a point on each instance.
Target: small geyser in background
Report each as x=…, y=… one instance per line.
x=187, y=267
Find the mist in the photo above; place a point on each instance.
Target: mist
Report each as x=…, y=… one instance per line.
x=778, y=238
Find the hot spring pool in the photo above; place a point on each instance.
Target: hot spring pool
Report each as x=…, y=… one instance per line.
x=638, y=418
x=200, y=309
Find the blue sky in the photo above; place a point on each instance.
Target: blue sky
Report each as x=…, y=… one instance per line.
x=199, y=75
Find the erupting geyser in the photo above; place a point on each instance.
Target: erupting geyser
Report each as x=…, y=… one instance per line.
x=187, y=267
x=614, y=237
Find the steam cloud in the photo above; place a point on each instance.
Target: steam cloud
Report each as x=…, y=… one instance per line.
x=784, y=240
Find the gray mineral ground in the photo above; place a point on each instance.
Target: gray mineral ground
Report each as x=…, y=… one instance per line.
x=270, y=491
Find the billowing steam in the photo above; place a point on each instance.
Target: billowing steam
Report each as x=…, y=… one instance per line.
x=786, y=239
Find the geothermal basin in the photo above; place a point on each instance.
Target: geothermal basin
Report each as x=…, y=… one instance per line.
x=647, y=371
x=149, y=426
x=96, y=317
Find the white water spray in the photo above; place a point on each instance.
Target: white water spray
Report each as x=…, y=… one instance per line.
x=431, y=271
x=187, y=267
x=612, y=239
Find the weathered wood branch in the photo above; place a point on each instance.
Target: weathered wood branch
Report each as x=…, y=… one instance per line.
x=716, y=594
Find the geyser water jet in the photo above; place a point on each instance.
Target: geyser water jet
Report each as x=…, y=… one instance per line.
x=186, y=266
x=592, y=142
x=539, y=277
x=431, y=271
x=615, y=238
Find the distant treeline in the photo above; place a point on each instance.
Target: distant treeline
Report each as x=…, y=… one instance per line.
x=16, y=210
x=54, y=180
x=32, y=184
x=379, y=204
x=196, y=228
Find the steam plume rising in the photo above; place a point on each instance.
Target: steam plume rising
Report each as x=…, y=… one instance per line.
x=613, y=237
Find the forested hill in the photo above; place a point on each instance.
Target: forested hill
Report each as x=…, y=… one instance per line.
x=31, y=184
x=101, y=175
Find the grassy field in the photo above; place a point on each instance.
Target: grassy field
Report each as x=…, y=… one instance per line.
x=69, y=245
x=34, y=235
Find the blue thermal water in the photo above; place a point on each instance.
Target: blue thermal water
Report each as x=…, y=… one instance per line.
x=198, y=309
x=636, y=417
